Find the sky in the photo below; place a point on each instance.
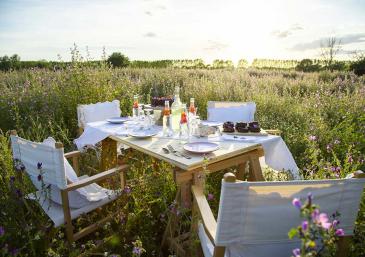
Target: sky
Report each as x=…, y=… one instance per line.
x=180, y=29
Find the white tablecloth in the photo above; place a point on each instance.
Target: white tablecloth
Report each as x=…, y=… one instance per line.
x=277, y=154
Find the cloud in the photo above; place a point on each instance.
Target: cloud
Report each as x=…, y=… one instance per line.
x=281, y=34
x=215, y=46
x=345, y=40
x=148, y=13
x=150, y=34
x=287, y=32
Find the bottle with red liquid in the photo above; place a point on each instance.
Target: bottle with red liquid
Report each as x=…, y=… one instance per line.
x=166, y=121
x=192, y=109
x=135, y=106
x=184, y=129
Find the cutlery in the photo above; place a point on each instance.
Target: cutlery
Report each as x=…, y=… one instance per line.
x=171, y=149
x=166, y=151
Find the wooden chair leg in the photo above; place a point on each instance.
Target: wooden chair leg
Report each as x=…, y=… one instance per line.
x=67, y=215
x=343, y=245
x=219, y=251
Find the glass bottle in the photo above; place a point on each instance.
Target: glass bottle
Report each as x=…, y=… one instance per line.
x=166, y=122
x=192, y=109
x=135, y=106
x=176, y=109
x=184, y=130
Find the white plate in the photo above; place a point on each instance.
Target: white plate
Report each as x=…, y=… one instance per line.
x=118, y=120
x=211, y=123
x=201, y=147
x=140, y=133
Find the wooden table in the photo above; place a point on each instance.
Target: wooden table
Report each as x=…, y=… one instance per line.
x=189, y=171
x=186, y=170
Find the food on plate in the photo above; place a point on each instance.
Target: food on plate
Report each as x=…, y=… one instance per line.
x=254, y=126
x=241, y=127
x=228, y=126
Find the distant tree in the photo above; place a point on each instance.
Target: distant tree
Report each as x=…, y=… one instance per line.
x=7, y=63
x=329, y=50
x=307, y=65
x=117, y=59
x=222, y=64
x=358, y=66
x=242, y=64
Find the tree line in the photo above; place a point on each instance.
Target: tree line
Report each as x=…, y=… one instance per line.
x=327, y=62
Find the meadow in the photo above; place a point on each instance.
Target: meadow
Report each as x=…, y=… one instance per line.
x=321, y=116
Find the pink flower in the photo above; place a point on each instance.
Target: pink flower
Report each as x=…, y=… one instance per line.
x=210, y=197
x=296, y=202
x=323, y=221
x=312, y=138
x=339, y=232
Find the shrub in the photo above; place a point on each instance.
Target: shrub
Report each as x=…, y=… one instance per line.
x=118, y=60
x=358, y=67
x=307, y=65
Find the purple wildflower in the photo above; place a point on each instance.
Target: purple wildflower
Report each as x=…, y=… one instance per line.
x=329, y=147
x=312, y=138
x=296, y=252
x=127, y=190
x=18, y=192
x=39, y=165
x=210, y=197
x=12, y=179
x=335, y=223
x=137, y=250
x=339, y=232
x=39, y=177
x=2, y=231
x=350, y=159
x=310, y=198
x=304, y=225
x=296, y=202
x=315, y=214
x=14, y=251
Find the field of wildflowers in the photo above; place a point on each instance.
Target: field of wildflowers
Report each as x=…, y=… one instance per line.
x=321, y=116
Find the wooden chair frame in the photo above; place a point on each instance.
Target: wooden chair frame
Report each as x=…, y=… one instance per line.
x=120, y=169
x=202, y=208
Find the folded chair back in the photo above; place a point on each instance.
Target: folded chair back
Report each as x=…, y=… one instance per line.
x=255, y=215
x=97, y=112
x=52, y=159
x=231, y=111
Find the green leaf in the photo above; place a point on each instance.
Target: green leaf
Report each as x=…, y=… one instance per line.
x=292, y=233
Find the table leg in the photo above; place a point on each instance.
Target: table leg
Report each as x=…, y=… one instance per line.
x=241, y=171
x=108, y=154
x=255, y=172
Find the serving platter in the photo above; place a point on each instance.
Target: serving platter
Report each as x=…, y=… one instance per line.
x=236, y=133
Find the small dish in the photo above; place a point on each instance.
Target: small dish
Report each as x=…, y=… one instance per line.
x=118, y=120
x=141, y=133
x=201, y=147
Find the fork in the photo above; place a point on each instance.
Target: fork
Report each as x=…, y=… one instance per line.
x=177, y=153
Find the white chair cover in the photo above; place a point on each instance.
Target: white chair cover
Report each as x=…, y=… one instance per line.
x=52, y=159
x=56, y=171
x=97, y=112
x=231, y=111
x=254, y=218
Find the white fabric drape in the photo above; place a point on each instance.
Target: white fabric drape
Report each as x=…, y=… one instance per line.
x=231, y=111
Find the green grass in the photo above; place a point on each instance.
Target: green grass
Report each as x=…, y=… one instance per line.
x=40, y=103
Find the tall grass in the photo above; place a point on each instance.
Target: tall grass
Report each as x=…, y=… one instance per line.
x=321, y=116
